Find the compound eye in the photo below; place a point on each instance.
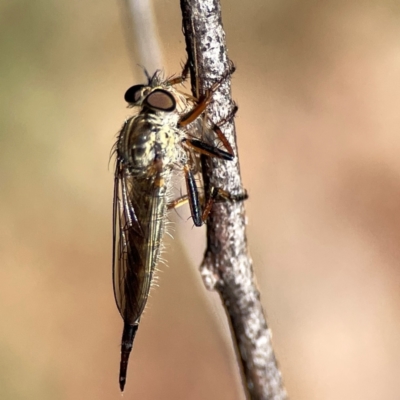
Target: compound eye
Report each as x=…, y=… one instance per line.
x=161, y=100
x=133, y=94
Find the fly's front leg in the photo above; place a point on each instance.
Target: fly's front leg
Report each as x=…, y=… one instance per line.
x=217, y=129
x=205, y=100
x=182, y=78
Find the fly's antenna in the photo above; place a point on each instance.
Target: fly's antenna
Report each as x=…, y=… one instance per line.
x=155, y=79
x=149, y=78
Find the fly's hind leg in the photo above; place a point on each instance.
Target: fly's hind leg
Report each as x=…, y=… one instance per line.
x=200, y=216
x=218, y=195
x=180, y=201
x=192, y=197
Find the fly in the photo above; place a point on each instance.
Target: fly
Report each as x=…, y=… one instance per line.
x=160, y=139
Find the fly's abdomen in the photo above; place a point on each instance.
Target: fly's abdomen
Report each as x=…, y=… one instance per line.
x=139, y=248
x=142, y=219
x=150, y=251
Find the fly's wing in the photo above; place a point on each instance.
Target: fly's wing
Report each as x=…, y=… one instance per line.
x=138, y=217
x=127, y=235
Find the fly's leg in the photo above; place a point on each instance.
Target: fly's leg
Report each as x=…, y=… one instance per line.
x=229, y=117
x=208, y=149
x=182, y=78
x=218, y=195
x=205, y=100
x=217, y=129
x=193, y=197
x=212, y=151
x=200, y=216
x=180, y=201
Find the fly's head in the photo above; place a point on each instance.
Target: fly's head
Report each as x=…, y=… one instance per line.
x=156, y=99
x=157, y=96
x=152, y=136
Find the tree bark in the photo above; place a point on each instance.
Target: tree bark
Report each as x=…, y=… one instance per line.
x=227, y=266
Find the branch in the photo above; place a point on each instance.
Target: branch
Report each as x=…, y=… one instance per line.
x=227, y=266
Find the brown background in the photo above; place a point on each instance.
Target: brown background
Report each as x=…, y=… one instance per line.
x=318, y=85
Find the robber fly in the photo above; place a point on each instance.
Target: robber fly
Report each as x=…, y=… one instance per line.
x=160, y=139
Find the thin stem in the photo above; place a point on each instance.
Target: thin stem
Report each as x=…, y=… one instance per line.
x=227, y=266
x=142, y=33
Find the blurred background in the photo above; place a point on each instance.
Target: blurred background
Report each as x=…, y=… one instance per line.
x=318, y=85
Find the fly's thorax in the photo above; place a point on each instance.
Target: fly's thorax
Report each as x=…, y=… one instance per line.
x=150, y=139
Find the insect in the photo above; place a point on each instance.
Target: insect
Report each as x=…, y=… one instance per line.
x=165, y=136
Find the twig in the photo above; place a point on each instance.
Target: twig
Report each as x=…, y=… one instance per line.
x=227, y=266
